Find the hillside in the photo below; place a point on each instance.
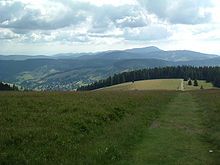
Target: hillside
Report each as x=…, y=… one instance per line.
x=209, y=74
x=159, y=84
x=208, y=62
x=103, y=127
x=22, y=57
x=151, y=53
x=204, y=84
x=67, y=74
x=74, y=70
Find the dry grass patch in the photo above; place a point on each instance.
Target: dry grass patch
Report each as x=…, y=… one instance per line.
x=157, y=84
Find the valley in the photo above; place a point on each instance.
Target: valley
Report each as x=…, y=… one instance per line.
x=66, y=72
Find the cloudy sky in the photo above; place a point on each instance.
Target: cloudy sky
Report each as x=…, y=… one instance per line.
x=60, y=26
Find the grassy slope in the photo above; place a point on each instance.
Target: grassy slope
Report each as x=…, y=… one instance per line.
x=200, y=82
x=158, y=84
x=74, y=128
x=110, y=128
x=175, y=138
x=209, y=103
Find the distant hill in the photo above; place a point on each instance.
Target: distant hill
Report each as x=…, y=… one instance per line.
x=69, y=55
x=136, y=53
x=69, y=71
x=22, y=57
x=180, y=55
x=144, y=50
x=133, y=64
x=144, y=53
x=56, y=56
x=207, y=62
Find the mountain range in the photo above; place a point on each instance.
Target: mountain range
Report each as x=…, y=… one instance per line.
x=70, y=70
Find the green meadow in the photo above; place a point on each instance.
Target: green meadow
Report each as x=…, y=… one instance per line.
x=74, y=128
x=203, y=83
x=110, y=127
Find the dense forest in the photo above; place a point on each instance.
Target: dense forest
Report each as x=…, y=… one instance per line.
x=7, y=87
x=210, y=74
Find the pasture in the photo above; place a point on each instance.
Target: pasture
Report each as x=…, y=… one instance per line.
x=74, y=127
x=110, y=127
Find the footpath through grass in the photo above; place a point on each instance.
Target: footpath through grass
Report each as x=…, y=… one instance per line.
x=176, y=137
x=209, y=104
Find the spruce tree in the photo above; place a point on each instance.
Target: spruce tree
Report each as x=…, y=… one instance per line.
x=190, y=82
x=195, y=83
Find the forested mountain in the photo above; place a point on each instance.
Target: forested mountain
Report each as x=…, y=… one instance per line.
x=136, y=53
x=151, y=53
x=75, y=70
x=56, y=56
x=210, y=74
x=207, y=62
x=144, y=50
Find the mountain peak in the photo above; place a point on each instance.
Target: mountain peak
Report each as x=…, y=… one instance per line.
x=144, y=49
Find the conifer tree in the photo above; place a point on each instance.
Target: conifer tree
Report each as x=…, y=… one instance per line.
x=195, y=83
x=190, y=82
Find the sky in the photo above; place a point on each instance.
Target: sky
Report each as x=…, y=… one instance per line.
x=47, y=27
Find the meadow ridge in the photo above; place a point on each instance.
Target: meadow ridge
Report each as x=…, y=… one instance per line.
x=158, y=84
x=110, y=127
x=206, y=85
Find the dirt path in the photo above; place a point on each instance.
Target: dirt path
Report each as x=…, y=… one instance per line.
x=175, y=138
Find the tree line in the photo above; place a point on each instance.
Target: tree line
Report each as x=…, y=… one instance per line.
x=7, y=87
x=210, y=74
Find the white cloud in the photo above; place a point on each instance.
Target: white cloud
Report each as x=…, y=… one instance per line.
x=111, y=2
x=94, y=25
x=149, y=33
x=179, y=11
x=6, y=34
x=215, y=11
